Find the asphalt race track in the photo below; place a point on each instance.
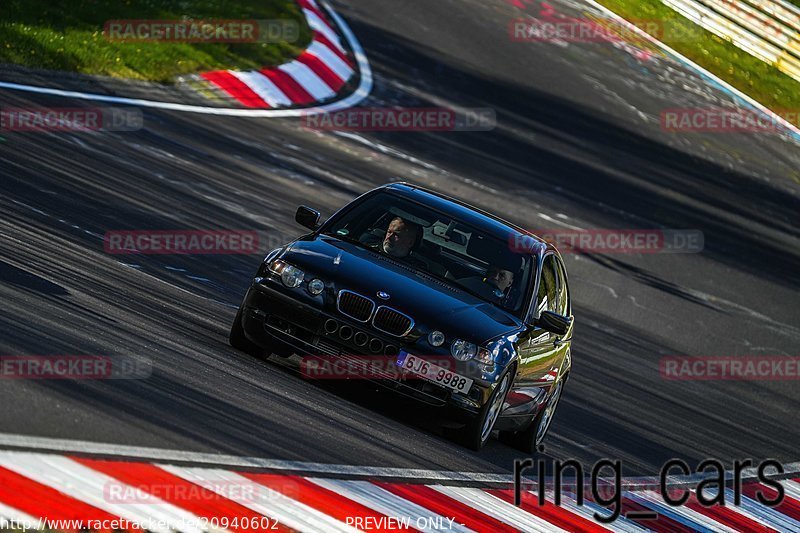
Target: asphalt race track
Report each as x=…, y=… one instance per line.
x=578, y=144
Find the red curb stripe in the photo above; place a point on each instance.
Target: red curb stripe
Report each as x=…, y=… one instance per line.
x=236, y=88
x=289, y=86
x=446, y=506
x=320, y=498
x=38, y=500
x=555, y=514
x=726, y=516
x=335, y=49
x=198, y=500
x=322, y=70
x=789, y=507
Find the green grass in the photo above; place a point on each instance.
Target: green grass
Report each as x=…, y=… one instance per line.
x=68, y=36
x=750, y=75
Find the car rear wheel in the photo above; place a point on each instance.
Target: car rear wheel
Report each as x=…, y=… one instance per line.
x=477, y=432
x=529, y=439
x=239, y=340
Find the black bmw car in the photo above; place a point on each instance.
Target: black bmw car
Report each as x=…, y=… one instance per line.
x=472, y=312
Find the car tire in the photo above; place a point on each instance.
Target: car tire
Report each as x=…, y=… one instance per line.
x=477, y=432
x=530, y=438
x=239, y=340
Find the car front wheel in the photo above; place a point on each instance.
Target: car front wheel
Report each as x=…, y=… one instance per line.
x=529, y=439
x=238, y=340
x=477, y=432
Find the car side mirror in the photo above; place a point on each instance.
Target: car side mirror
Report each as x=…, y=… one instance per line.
x=307, y=217
x=553, y=322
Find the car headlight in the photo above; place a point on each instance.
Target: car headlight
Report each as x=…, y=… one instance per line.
x=290, y=276
x=463, y=350
x=485, y=356
x=316, y=286
x=436, y=338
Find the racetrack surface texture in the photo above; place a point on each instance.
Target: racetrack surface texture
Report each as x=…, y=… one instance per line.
x=577, y=143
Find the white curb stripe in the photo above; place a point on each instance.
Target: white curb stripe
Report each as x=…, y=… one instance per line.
x=682, y=515
x=269, y=502
x=316, y=23
x=384, y=502
x=364, y=89
x=772, y=518
x=263, y=87
x=588, y=510
x=308, y=79
x=88, y=485
x=792, y=489
x=493, y=506
x=334, y=62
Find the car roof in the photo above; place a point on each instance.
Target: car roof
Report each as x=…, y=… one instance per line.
x=470, y=214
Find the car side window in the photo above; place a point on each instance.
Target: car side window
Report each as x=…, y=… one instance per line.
x=563, y=306
x=547, y=297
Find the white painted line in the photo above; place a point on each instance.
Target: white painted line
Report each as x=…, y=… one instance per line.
x=334, y=62
x=321, y=26
x=263, y=87
x=364, y=88
x=308, y=79
x=683, y=515
x=750, y=100
x=278, y=465
x=28, y=442
x=389, y=504
x=268, y=502
x=89, y=486
x=499, y=509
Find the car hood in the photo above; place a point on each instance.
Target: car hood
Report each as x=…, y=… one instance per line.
x=433, y=304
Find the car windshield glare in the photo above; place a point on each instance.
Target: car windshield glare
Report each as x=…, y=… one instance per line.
x=471, y=259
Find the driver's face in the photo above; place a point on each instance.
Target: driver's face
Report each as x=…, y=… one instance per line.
x=399, y=239
x=502, y=279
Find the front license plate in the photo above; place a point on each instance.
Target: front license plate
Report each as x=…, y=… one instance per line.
x=433, y=372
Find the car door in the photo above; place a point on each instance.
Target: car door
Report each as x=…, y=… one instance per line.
x=538, y=349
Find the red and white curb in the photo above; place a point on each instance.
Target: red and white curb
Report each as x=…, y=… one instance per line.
x=50, y=490
x=317, y=75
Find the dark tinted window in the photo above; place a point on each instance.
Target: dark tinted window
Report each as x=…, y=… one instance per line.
x=563, y=306
x=547, y=297
x=478, y=262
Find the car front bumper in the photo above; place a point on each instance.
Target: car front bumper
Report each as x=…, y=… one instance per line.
x=271, y=318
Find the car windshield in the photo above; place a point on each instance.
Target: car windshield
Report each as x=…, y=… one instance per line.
x=463, y=256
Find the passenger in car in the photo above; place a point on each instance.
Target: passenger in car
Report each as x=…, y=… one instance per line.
x=495, y=287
